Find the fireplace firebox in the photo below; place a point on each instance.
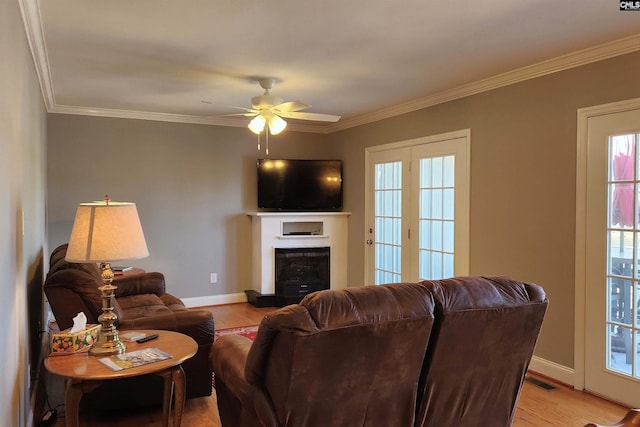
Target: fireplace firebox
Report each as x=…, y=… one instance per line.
x=300, y=271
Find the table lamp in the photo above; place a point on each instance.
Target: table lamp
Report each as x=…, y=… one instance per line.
x=105, y=232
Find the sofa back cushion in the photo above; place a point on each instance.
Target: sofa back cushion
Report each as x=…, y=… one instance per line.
x=343, y=357
x=58, y=263
x=482, y=341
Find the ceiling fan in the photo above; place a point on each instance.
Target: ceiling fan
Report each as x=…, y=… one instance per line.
x=268, y=110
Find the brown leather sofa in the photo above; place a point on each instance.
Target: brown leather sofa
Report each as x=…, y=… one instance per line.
x=436, y=353
x=141, y=303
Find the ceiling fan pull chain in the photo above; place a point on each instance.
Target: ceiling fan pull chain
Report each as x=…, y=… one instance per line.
x=258, y=142
x=266, y=134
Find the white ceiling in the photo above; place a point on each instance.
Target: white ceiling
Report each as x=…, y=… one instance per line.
x=363, y=60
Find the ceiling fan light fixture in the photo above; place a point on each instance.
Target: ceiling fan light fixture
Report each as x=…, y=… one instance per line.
x=256, y=125
x=276, y=124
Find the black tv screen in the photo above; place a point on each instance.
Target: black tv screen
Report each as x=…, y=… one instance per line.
x=299, y=185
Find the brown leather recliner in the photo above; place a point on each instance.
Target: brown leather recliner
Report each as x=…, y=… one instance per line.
x=435, y=353
x=141, y=302
x=482, y=341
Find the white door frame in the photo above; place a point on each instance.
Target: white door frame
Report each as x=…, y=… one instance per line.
x=584, y=114
x=464, y=133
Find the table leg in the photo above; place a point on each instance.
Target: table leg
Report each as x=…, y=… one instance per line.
x=179, y=395
x=73, y=394
x=167, y=396
x=174, y=395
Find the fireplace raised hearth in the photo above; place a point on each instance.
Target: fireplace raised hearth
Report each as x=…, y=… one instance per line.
x=295, y=254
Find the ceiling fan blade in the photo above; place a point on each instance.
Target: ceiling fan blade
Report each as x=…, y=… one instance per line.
x=291, y=106
x=247, y=114
x=310, y=116
x=249, y=110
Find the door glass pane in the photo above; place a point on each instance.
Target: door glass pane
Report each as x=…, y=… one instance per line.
x=618, y=341
x=447, y=204
x=636, y=345
x=623, y=252
x=425, y=264
x=448, y=265
x=436, y=217
x=388, y=221
x=636, y=296
x=447, y=237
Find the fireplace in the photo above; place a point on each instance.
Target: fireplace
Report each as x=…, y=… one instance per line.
x=299, y=238
x=301, y=271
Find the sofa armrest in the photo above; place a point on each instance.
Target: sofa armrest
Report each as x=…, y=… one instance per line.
x=147, y=283
x=228, y=358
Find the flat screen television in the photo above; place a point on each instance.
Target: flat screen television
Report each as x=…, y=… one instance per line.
x=299, y=185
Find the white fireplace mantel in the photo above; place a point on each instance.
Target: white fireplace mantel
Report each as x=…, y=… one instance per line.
x=273, y=230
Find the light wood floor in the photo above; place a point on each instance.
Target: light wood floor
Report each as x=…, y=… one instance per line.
x=562, y=407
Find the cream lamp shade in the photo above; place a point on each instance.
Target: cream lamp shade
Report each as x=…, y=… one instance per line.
x=106, y=232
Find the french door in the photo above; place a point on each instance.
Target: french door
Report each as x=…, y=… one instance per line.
x=417, y=209
x=612, y=254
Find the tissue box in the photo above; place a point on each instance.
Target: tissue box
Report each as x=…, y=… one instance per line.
x=65, y=342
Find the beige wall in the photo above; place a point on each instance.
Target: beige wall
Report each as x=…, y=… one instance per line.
x=523, y=170
x=22, y=195
x=193, y=184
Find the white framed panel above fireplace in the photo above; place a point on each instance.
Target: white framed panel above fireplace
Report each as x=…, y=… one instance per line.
x=271, y=230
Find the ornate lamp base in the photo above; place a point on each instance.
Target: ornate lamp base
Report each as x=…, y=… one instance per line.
x=108, y=341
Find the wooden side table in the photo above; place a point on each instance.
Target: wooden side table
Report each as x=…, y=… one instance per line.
x=85, y=373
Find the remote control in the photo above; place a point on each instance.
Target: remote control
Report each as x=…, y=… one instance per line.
x=147, y=338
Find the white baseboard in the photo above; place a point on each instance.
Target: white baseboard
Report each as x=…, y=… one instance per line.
x=214, y=300
x=552, y=370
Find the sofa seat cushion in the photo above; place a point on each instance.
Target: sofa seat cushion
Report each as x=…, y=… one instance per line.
x=173, y=303
x=145, y=305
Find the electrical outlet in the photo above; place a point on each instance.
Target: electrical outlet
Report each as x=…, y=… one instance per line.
x=213, y=278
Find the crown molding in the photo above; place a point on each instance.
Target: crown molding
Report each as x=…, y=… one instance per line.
x=30, y=11
x=565, y=62
x=33, y=28
x=143, y=115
